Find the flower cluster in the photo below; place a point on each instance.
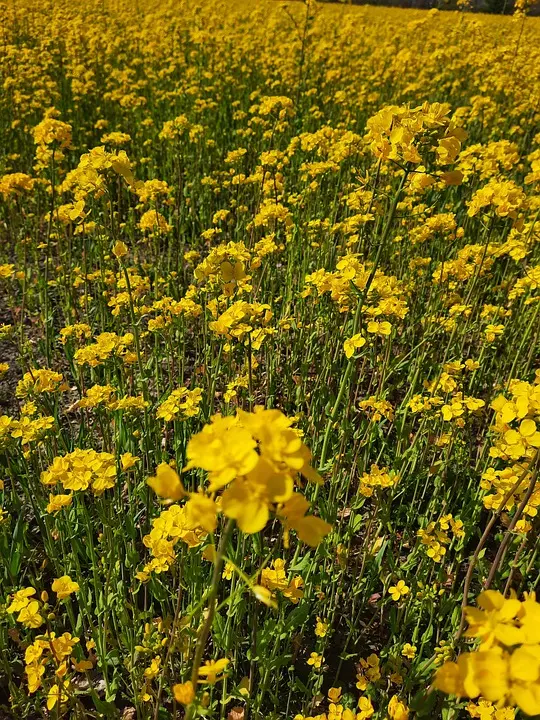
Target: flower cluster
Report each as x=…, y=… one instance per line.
x=254, y=459
x=171, y=526
x=107, y=345
x=517, y=441
x=80, y=470
x=275, y=578
x=435, y=536
x=377, y=409
x=36, y=382
x=423, y=136
x=377, y=478
x=505, y=669
x=181, y=403
x=385, y=294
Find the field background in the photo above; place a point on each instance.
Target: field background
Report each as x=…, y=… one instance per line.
x=218, y=188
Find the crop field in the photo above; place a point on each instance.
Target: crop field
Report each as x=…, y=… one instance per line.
x=269, y=361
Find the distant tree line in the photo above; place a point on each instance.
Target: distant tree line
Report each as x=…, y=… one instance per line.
x=501, y=7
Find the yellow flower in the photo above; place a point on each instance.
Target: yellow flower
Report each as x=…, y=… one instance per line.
x=334, y=694
x=228, y=570
x=57, y=695
x=21, y=599
x=365, y=708
x=57, y=502
x=181, y=403
x=353, y=343
x=34, y=672
x=120, y=249
x=294, y=591
x=264, y=595
x=202, y=511
x=321, y=628
x=397, y=709
x=128, y=461
x=315, y=660
x=492, y=331
x=224, y=449
x=153, y=221
x=310, y=529
x=409, y=651
x=153, y=669
x=184, y=693
x=495, y=621
x=398, y=590
x=505, y=669
x=212, y=670
x=167, y=483
x=82, y=665
x=379, y=328
x=29, y=615
x=41, y=381
x=62, y=646
x=64, y=587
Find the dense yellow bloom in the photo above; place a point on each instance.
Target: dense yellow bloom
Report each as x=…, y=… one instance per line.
x=377, y=409
x=368, y=672
x=15, y=183
x=517, y=439
x=171, y=526
x=323, y=208
x=50, y=131
x=506, y=667
x=377, y=478
x=152, y=221
x=36, y=382
x=82, y=469
x=97, y=395
x=181, y=403
x=275, y=578
x=506, y=198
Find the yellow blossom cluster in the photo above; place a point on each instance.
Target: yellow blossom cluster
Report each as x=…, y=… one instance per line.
x=435, y=536
x=82, y=469
x=385, y=294
x=181, y=403
x=275, y=578
x=517, y=441
x=171, y=526
x=107, y=345
x=377, y=478
x=36, y=382
x=505, y=669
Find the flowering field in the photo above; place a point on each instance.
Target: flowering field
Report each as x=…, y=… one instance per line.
x=270, y=361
